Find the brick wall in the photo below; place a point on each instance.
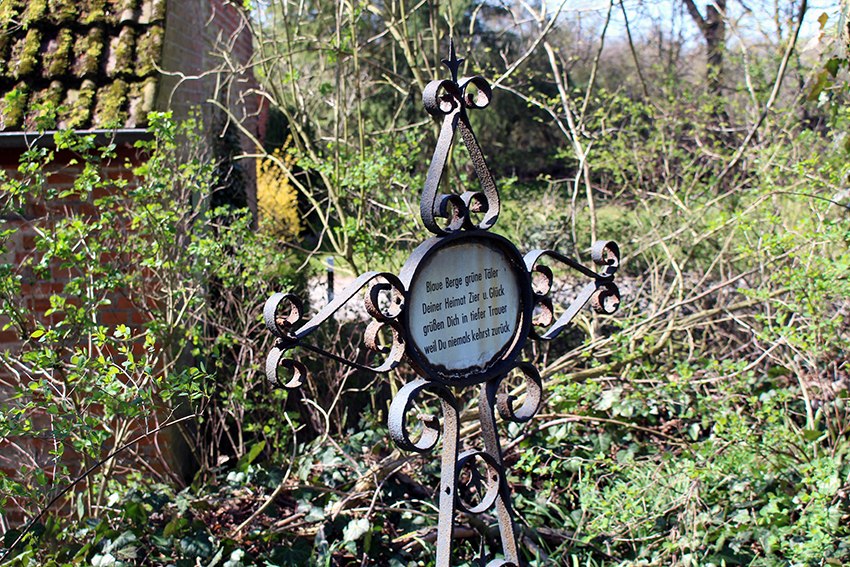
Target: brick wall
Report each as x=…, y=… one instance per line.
x=206, y=56
x=164, y=453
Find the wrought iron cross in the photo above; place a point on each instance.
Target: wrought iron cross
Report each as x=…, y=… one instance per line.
x=460, y=313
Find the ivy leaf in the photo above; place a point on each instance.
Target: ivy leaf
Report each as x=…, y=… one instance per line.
x=250, y=456
x=356, y=529
x=198, y=544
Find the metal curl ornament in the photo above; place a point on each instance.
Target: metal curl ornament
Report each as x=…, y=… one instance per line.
x=449, y=99
x=401, y=406
x=601, y=291
x=460, y=313
x=533, y=396
x=283, y=311
x=490, y=483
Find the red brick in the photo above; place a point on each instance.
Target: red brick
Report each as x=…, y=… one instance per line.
x=137, y=348
x=110, y=258
x=9, y=336
x=63, y=178
x=39, y=305
x=46, y=289
x=35, y=210
x=138, y=318
x=28, y=242
x=122, y=302
x=101, y=192
x=113, y=317
x=86, y=210
x=118, y=171
x=55, y=318
x=63, y=274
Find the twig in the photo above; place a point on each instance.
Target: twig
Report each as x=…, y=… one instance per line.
x=573, y=418
x=780, y=75
x=575, y=137
x=809, y=195
x=594, y=70
x=82, y=477
x=632, y=49
x=532, y=48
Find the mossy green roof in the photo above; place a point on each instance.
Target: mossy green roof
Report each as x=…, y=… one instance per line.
x=78, y=63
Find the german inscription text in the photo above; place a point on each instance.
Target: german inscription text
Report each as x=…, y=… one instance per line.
x=464, y=306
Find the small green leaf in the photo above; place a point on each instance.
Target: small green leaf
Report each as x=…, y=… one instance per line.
x=175, y=526
x=833, y=65
x=250, y=456
x=811, y=434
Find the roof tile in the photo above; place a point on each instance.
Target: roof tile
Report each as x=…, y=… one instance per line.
x=125, y=11
x=142, y=96
x=110, y=107
x=148, y=48
x=5, y=43
x=77, y=106
x=151, y=11
x=94, y=12
x=87, y=51
x=94, y=61
x=12, y=107
x=25, y=54
x=119, y=58
x=57, y=53
x=34, y=12
x=42, y=106
x=63, y=11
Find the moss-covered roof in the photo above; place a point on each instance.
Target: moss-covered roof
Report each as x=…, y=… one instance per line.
x=78, y=63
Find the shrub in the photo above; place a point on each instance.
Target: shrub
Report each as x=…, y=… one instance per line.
x=149, y=327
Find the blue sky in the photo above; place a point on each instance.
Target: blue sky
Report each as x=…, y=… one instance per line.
x=754, y=19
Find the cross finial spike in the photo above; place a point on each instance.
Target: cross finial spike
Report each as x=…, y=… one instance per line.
x=453, y=63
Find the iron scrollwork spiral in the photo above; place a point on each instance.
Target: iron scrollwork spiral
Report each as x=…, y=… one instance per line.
x=533, y=387
x=283, y=311
x=399, y=416
x=601, y=292
x=450, y=99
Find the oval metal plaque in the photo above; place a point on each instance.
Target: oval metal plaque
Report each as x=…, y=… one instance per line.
x=466, y=304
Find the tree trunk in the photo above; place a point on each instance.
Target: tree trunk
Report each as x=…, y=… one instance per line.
x=845, y=26
x=713, y=29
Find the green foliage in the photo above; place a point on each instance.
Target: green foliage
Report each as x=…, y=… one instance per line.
x=370, y=221
x=152, y=251
x=673, y=476
x=711, y=428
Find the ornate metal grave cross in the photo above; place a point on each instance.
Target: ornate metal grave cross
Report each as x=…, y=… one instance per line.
x=460, y=313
